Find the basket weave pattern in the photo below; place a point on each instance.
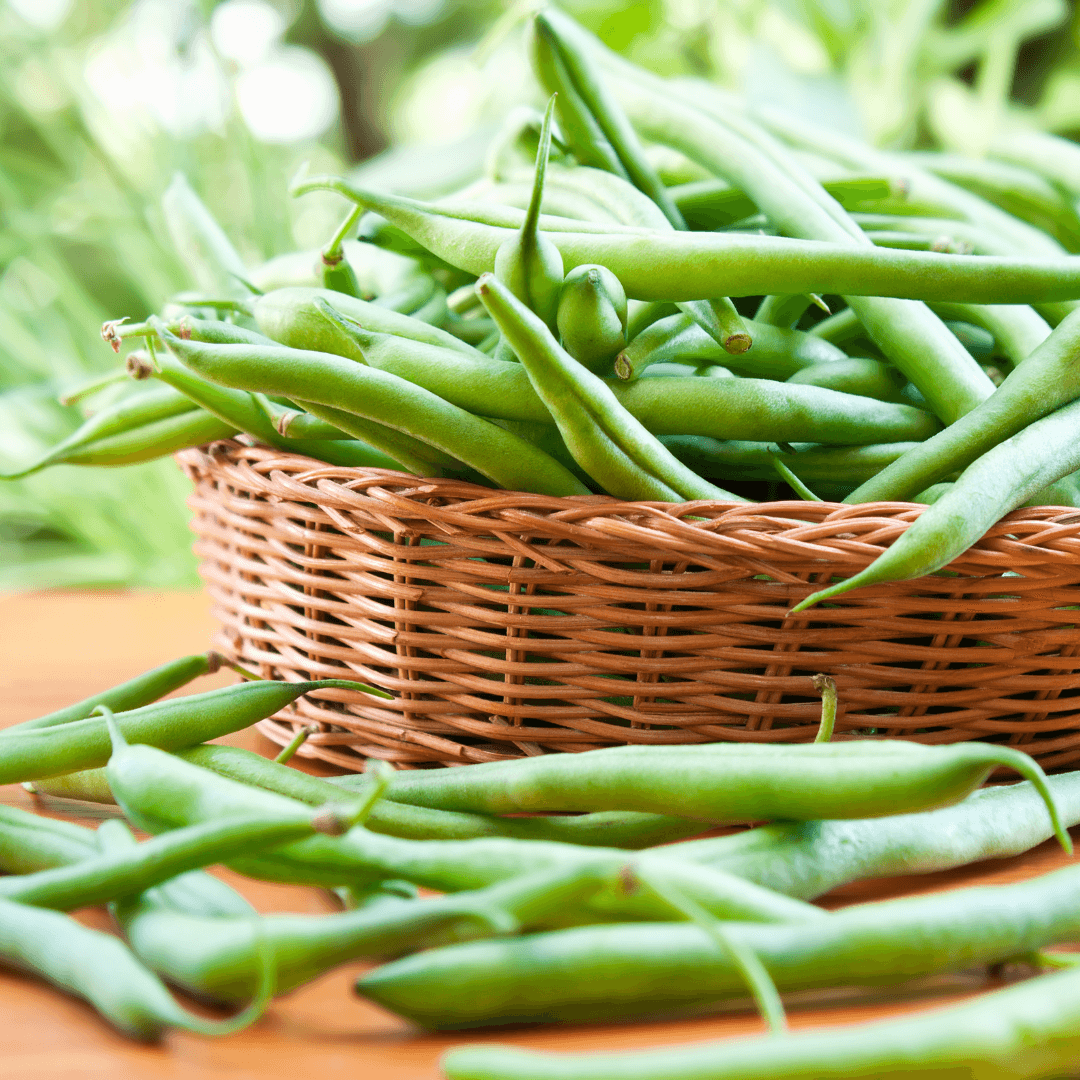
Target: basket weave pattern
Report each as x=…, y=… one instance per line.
x=508, y=624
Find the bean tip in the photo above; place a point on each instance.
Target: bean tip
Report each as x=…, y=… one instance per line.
x=139, y=365
x=110, y=332
x=737, y=343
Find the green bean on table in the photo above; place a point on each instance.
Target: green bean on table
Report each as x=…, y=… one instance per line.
x=99, y=968
x=635, y=969
x=172, y=723
x=807, y=859
x=141, y=690
x=1020, y=1033
x=726, y=782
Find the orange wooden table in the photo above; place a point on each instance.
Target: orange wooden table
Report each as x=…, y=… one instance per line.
x=60, y=647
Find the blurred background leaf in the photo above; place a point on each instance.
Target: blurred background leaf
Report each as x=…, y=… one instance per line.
x=101, y=102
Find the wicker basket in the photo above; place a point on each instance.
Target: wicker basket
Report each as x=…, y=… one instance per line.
x=510, y=624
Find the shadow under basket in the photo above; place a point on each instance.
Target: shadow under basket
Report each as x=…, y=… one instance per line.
x=508, y=624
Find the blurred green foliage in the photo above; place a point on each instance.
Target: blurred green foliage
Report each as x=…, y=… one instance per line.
x=92, y=129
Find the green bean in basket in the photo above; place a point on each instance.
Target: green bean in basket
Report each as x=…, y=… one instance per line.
x=999, y=481
x=371, y=394
x=606, y=441
x=655, y=265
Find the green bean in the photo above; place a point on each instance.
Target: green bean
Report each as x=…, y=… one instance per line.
x=591, y=316
x=414, y=822
x=712, y=203
x=142, y=690
x=760, y=409
x=1017, y=328
x=242, y=410
x=1048, y=379
x=132, y=412
x=209, y=330
x=699, y=266
x=1013, y=186
x=529, y=264
x=147, y=442
x=100, y=969
x=855, y=375
x=1021, y=1032
x=622, y=971
x=738, y=460
x=725, y=782
x=172, y=723
x=605, y=440
x=120, y=873
x=786, y=311
x=289, y=316
x=586, y=84
x=999, y=481
x=337, y=272
x=777, y=353
x=909, y=335
x=217, y=958
x=808, y=859
x=322, y=379
x=753, y=409
x=29, y=842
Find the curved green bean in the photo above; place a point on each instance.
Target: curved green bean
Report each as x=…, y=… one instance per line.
x=1048, y=379
x=999, y=481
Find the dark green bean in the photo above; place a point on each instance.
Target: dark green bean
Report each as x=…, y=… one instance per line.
x=736, y=460
x=147, y=442
x=529, y=264
x=133, y=411
x=243, y=410
x=1048, y=379
x=591, y=316
x=692, y=266
x=777, y=353
x=753, y=409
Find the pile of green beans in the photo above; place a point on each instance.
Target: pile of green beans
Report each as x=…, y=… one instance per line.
x=544, y=919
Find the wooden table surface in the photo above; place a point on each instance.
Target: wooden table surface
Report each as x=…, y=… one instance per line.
x=59, y=647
